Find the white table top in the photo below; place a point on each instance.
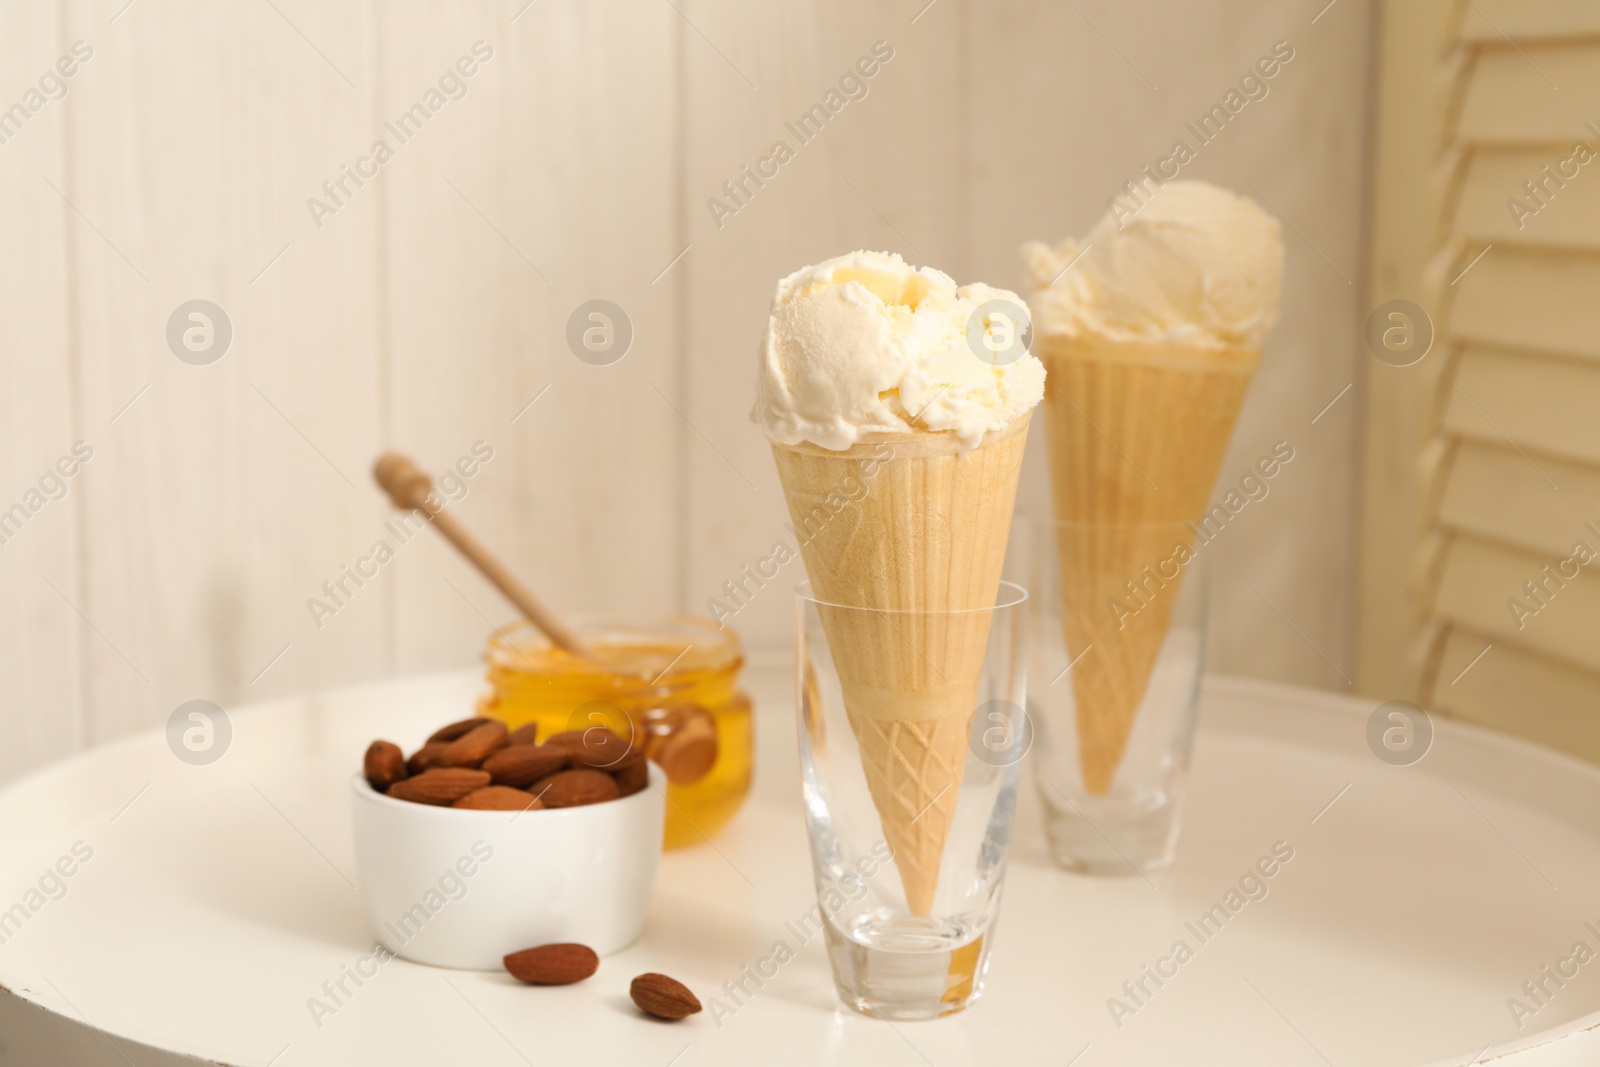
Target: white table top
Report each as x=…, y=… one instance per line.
x=218, y=899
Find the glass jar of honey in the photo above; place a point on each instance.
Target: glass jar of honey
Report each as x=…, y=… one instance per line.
x=667, y=683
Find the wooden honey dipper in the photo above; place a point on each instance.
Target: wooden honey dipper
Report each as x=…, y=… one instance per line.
x=409, y=488
x=681, y=739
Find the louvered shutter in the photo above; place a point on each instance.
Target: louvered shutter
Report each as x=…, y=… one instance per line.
x=1512, y=476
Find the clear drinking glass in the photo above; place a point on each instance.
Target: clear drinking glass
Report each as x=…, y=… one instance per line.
x=1118, y=614
x=911, y=729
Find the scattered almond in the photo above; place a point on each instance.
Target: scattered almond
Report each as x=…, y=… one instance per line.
x=663, y=997
x=520, y=765
x=560, y=964
x=427, y=757
x=441, y=786
x=456, y=729
x=524, y=735
x=499, y=798
x=476, y=745
x=572, y=789
x=384, y=765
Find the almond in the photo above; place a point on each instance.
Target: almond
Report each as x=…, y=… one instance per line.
x=632, y=778
x=427, y=757
x=689, y=752
x=498, y=798
x=571, y=789
x=597, y=747
x=524, y=735
x=456, y=729
x=663, y=997
x=384, y=765
x=442, y=786
x=521, y=765
x=476, y=745
x=560, y=964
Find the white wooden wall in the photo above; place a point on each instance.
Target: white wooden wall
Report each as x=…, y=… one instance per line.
x=432, y=307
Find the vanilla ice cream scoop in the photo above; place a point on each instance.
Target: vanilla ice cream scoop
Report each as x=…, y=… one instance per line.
x=1195, y=265
x=866, y=343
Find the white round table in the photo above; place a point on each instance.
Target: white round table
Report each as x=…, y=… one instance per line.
x=207, y=905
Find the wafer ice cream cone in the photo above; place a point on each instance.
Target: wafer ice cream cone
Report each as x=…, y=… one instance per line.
x=1150, y=333
x=1136, y=436
x=929, y=535
x=867, y=380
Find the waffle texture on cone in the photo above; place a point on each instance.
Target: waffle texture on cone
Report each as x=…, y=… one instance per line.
x=903, y=578
x=1109, y=681
x=1137, y=434
x=913, y=770
x=1150, y=329
x=1134, y=445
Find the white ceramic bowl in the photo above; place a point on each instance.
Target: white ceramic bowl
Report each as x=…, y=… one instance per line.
x=458, y=888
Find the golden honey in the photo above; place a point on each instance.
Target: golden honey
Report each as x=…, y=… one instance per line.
x=641, y=672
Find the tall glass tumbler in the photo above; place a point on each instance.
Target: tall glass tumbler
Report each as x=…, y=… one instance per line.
x=912, y=724
x=1118, y=613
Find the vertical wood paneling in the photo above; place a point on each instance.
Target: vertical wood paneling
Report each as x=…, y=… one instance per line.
x=223, y=496
x=886, y=172
x=40, y=638
x=432, y=305
x=551, y=183
x=1068, y=103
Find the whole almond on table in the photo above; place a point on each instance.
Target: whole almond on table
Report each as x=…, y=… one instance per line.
x=456, y=729
x=527, y=734
x=427, y=757
x=499, y=798
x=476, y=745
x=441, y=786
x=384, y=765
x=560, y=964
x=663, y=997
x=520, y=765
x=572, y=789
